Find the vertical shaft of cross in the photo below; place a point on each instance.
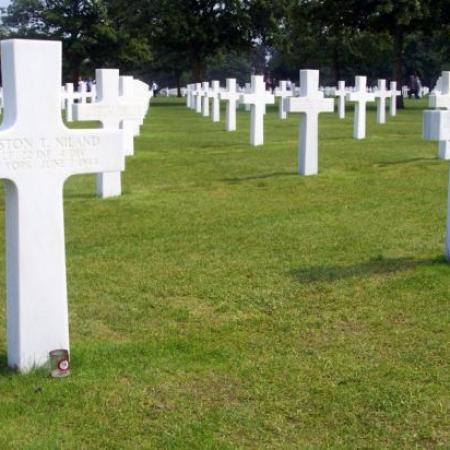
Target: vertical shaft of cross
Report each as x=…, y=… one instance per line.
x=341, y=99
x=230, y=95
x=37, y=292
x=205, y=99
x=308, y=162
x=359, y=125
x=257, y=124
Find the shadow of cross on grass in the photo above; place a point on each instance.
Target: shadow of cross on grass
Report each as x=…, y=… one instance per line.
x=378, y=266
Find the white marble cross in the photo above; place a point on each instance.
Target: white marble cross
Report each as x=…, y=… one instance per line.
x=283, y=92
x=188, y=96
x=257, y=98
x=214, y=94
x=70, y=96
x=436, y=127
x=441, y=99
x=247, y=89
x=341, y=93
x=381, y=94
x=37, y=154
x=127, y=92
x=360, y=97
x=205, y=99
x=231, y=97
x=111, y=110
x=394, y=94
x=198, y=93
x=82, y=91
x=310, y=104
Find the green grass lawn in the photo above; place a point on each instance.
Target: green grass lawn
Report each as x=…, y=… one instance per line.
x=224, y=302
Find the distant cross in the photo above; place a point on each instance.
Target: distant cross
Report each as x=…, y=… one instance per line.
x=381, y=94
x=205, y=99
x=247, y=89
x=111, y=110
x=283, y=92
x=231, y=97
x=441, y=99
x=144, y=94
x=188, y=96
x=37, y=154
x=341, y=93
x=360, y=97
x=82, y=91
x=436, y=127
x=310, y=104
x=198, y=93
x=70, y=96
x=394, y=94
x=214, y=95
x=130, y=125
x=257, y=98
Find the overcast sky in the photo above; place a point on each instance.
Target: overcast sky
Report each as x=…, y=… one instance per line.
x=4, y=2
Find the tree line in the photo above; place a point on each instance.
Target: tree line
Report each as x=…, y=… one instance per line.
x=180, y=41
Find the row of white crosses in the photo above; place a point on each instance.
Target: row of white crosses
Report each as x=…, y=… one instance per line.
x=310, y=103
x=360, y=96
x=255, y=97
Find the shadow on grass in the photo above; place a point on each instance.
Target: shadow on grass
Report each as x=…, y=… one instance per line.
x=408, y=161
x=259, y=177
x=365, y=269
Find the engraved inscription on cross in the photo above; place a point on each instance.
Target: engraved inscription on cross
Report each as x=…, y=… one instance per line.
x=37, y=154
x=111, y=110
x=310, y=104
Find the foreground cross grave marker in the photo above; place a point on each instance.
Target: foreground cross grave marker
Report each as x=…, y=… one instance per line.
x=257, y=98
x=441, y=99
x=360, y=97
x=111, y=110
x=310, y=104
x=37, y=154
x=436, y=127
x=282, y=92
x=231, y=96
x=341, y=93
x=394, y=94
x=381, y=94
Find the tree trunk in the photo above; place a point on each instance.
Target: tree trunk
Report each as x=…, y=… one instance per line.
x=336, y=62
x=198, y=70
x=178, y=80
x=398, y=44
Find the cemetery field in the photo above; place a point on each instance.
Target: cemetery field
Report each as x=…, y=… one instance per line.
x=224, y=302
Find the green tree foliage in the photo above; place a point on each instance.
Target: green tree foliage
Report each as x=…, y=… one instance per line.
x=93, y=32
